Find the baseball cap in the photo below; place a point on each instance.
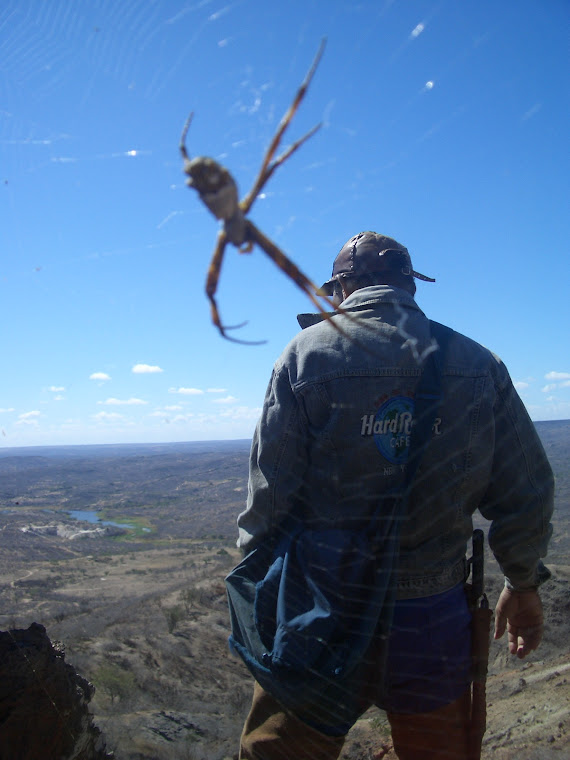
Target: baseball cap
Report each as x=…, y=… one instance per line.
x=370, y=253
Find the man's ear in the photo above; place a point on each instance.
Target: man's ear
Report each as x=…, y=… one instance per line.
x=347, y=287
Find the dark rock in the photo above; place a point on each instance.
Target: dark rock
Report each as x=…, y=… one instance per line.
x=171, y=726
x=44, y=702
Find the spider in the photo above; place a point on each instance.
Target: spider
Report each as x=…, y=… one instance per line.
x=218, y=190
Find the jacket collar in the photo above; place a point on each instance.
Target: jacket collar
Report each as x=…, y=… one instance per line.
x=372, y=296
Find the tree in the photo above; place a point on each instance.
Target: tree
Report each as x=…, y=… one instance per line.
x=115, y=681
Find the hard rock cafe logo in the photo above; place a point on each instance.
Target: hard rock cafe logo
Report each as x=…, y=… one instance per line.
x=391, y=427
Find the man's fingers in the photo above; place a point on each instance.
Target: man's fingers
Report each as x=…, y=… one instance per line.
x=499, y=628
x=523, y=640
x=503, y=611
x=500, y=623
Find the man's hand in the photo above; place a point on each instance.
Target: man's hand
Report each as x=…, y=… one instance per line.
x=520, y=612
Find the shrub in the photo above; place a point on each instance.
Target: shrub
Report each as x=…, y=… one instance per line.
x=173, y=616
x=114, y=681
x=190, y=597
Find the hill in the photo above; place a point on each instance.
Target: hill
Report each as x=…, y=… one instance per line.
x=141, y=608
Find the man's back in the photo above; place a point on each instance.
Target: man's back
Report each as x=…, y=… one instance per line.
x=349, y=399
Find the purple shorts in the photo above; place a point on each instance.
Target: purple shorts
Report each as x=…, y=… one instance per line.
x=429, y=656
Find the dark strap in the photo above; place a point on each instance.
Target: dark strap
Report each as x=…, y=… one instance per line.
x=426, y=405
x=427, y=401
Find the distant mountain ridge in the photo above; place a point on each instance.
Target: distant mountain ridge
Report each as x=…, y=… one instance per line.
x=122, y=449
x=551, y=432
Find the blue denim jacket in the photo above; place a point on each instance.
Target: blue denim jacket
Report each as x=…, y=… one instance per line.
x=333, y=437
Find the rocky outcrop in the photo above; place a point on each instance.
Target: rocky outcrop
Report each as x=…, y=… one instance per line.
x=44, y=702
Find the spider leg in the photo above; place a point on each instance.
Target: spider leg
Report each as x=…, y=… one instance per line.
x=294, y=273
x=247, y=202
x=182, y=146
x=212, y=280
x=267, y=168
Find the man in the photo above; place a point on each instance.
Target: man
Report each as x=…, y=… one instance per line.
x=334, y=436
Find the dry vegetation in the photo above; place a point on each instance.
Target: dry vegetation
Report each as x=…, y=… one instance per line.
x=143, y=616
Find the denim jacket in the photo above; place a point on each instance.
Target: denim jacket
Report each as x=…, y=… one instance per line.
x=333, y=438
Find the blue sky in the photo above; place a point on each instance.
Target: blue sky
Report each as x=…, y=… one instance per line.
x=444, y=125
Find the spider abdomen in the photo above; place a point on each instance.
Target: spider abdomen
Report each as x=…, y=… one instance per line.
x=215, y=186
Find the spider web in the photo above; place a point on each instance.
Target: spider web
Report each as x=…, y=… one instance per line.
x=92, y=100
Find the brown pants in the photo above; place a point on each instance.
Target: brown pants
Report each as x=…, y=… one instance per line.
x=272, y=733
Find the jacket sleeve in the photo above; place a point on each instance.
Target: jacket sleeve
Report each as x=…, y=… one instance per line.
x=519, y=500
x=277, y=463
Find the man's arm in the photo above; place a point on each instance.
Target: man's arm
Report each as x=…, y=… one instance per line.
x=277, y=463
x=520, y=496
x=519, y=502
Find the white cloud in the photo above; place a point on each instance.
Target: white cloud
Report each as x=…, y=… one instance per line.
x=71, y=422
x=217, y=390
x=417, y=30
x=57, y=388
x=108, y=416
x=146, y=369
x=99, y=376
x=183, y=417
x=226, y=400
x=186, y=391
x=520, y=385
x=173, y=408
x=59, y=398
x=28, y=418
x=532, y=111
x=554, y=410
x=557, y=376
x=242, y=413
x=124, y=402
x=9, y=409
x=561, y=380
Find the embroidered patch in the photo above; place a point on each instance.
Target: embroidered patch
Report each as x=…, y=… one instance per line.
x=391, y=427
